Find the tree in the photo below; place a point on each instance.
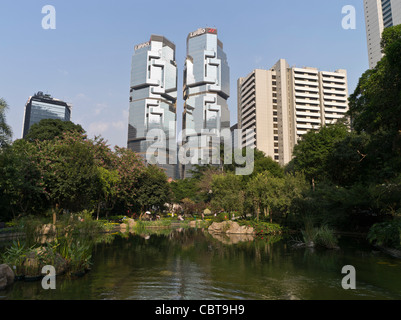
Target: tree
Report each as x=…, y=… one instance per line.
x=227, y=192
x=130, y=168
x=312, y=151
x=260, y=163
x=108, y=187
x=21, y=181
x=185, y=188
x=376, y=103
x=48, y=129
x=5, y=130
x=188, y=206
x=265, y=191
x=264, y=163
x=351, y=160
x=69, y=172
x=153, y=189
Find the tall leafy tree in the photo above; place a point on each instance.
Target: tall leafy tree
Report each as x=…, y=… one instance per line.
x=48, y=129
x=375, y=105
x=130, y=167
x=184, y=188
x=264, y=191
x=153, y=189
x=21, y=181
x=69, y=172
x=5, y=129
x=227, y=192
x=312, y=151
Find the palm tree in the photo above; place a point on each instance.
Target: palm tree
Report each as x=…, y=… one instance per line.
x=5, y=130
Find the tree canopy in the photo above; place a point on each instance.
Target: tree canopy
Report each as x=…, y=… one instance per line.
x=5, y=129
x=48, y=129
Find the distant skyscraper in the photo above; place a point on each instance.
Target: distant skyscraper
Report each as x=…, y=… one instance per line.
x=153, y=99
x=379, y=14
x=42, y=106
x=206, y=90
x=277, y=106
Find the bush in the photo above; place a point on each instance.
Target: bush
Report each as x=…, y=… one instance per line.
x=387, y=234
x=261, y=227
x=223, y=216
x=80, y=223
x=325, y=237
x=319, y=236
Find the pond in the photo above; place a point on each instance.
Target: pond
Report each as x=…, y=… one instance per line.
x=190, y=264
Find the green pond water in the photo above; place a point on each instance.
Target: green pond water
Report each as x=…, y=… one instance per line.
x=188, y=264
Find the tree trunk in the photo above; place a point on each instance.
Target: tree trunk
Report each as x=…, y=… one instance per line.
x=55, y=214
x=98, y=211
x=257, y=212
x=313, y=184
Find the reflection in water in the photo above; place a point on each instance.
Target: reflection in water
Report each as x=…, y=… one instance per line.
x=193, y=264
x=232, y=238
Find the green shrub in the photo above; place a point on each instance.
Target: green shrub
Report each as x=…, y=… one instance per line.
x=325, y=237
x=223, y=216
x=262, y=227
x=319, y=236
x=80, y=223
x=387, y=234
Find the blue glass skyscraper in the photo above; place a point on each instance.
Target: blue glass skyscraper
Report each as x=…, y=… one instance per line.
x=153, y=100
x=43, y=106
x=206, y=90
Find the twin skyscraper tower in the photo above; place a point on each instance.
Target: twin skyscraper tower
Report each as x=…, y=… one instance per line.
x=152, y=130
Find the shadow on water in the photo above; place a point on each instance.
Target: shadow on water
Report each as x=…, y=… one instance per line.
x=194, y=264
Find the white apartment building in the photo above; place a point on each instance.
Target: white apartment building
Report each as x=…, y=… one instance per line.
x=277, y=106
x=379, y=14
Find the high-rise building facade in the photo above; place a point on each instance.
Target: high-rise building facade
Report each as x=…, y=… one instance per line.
x=277, y=106
x=206, y=90
x=43, y=106
x=153, y=102
x=379, y=14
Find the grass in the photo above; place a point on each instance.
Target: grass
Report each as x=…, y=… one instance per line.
x=322, y=236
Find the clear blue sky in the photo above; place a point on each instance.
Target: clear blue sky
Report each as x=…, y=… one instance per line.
x=87, y=60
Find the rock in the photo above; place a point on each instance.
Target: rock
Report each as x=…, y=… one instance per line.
x=123, y=227
x=6, y=276
x=131, y=223
x=35, y=260
x=230, y=227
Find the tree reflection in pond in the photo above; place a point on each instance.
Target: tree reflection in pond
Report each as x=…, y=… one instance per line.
x=193, y=264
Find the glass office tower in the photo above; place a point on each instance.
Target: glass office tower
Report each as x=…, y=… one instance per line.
x=153, y=101
x=42, y=106
x=206, y=90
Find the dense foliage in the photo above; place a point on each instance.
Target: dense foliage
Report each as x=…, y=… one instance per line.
x=71, y=173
